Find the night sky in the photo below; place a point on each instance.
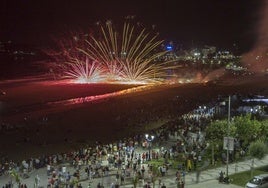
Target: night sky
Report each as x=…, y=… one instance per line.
x=185, y=22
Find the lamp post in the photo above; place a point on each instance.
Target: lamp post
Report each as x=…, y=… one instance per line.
x=228, y=142
x=228, y=134
x=149, y=139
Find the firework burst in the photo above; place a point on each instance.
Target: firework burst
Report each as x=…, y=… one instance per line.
x=129, y=57
x=132, y=56
x=84, y=71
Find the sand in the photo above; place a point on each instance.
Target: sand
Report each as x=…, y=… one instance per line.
x=72, y=126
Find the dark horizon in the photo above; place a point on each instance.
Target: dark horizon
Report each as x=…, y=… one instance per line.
x=221, y=23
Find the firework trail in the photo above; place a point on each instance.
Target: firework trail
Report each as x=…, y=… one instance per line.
x=131, y=56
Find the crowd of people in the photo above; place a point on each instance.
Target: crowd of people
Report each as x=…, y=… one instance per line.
x=99, y=159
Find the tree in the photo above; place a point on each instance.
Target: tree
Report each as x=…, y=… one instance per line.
x=257, y=149
x=243, y=128
x=264, y=130
x=215, y=132
x=247, y=129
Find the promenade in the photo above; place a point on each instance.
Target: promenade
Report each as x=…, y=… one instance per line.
x=207, y=178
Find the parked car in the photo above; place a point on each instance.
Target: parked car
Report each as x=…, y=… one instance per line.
x=259, y=181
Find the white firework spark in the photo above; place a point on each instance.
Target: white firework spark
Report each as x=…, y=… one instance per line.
x=84, y=71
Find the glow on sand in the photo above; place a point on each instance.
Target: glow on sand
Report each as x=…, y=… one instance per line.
x=87, y=99
x=132, y=55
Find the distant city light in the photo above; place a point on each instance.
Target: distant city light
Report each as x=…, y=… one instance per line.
x=169, y=47
x=197, y=54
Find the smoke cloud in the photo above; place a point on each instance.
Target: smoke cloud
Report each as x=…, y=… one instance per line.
x=257, y=59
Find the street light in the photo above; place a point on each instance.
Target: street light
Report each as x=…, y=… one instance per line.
x=149, y=139
x=229, y=140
